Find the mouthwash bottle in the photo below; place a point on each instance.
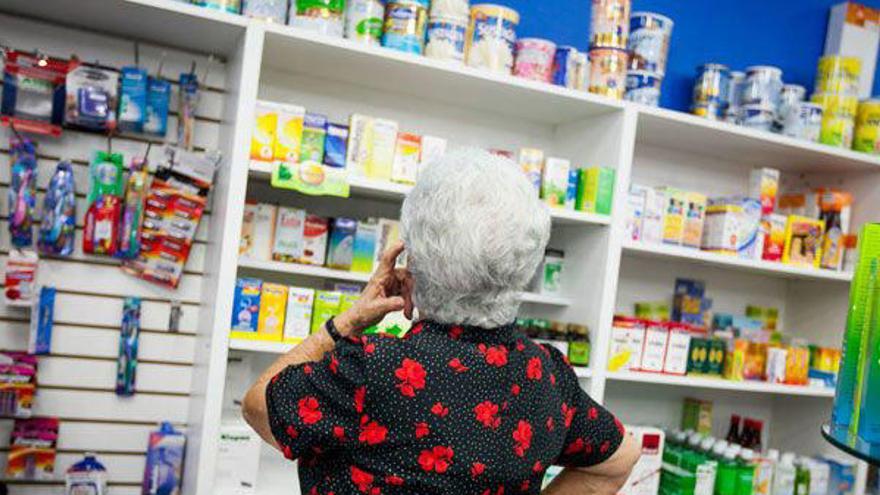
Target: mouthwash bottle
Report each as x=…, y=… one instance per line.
x=725, y=482
x=784, y=477
x=745, y=472
x=86, y=477
x=802, y=477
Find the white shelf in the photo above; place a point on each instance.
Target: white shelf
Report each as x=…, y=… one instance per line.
x=334, y=274
x=289, y=49
x=731, y=262
x=681, y=131
x=582, y=372
x=720, y=384
x=165, y=22
x=260, y=346
x=377, y=189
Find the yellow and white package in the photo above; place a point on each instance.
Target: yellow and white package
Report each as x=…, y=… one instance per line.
x=273, y=304
x=288, y=133
x=298, y=320
x=381, y=159
x=263, y=135
x=256, y=231
x=360, y=139
x=673, y=215
x=406, y=158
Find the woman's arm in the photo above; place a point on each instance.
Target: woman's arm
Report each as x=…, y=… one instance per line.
x=603, y=479
x=389, y=290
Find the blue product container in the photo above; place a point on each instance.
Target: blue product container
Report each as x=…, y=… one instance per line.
x=572, y=190
x=564, y=66
x=406, y=24
x=86, y=477
x=648, y=42
x=711, y=91
x=643, y=87
x=158, y=102
x=756, y=117
x=132, y=99
x=762, y=86
x=446, y=38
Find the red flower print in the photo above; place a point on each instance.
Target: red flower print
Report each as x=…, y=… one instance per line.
x=275, y=378
x=499, y=492
x=522, y=435
x=291, y=432
x=592, y=413
x=288, y=454
x=412, y=377
x=436, y=459
x=307, y=369
x=439, y=409
x=565, y=360
x=314, y=491
x=504, y=406
x=416, y=329
x=394, y=480
x=575, y=447
x=514, y=389
x=309, y=410
x=360, y=394
x=588, y=448
x=568, y=414
x=334, y=364
x=552, y=379
x=372, y=433
x=550, y=424
x=544, y=348
x=495, y=355
x=369, y=348
x=487, y=414
x=339, y=433
x=520, y=346
x=534, y=369
x=422, y=430
x=620, y=427
x=538, y=467
x=455, y=332
x=524, y=487
x=361, y=479
x=477, y=469
x=604, y=447
x=457, y=365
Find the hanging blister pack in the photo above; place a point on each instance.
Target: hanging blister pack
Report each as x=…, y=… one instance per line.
x=158, y=103
x=133, y=210
x=126, y=362
x=188, y=99
x=33, y=92
x=133, y=99
x=21, y=278
x=100, y=234
x=91, y=98
x=42, y=319
x=22, y=193
x=58, y=226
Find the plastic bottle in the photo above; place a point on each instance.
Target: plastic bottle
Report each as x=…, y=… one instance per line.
x=869, y=411
x=802, y=477
x=725, y=482
x=733, y=435
x=745, y=472
x=86, y=477
x=784, y=477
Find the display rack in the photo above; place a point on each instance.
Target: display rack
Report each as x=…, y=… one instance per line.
x=851, y=444
x=604, y=274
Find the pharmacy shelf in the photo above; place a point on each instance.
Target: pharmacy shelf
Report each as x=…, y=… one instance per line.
x=347, y=276
x=380, y=189
x=164, y=22
x=684, y=132
x=292, y=50
x=260, y=346
x=731, y=262
x=843, y=438
x=719, y=384
x=582, y=372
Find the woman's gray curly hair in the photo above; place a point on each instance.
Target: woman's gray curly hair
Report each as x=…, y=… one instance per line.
x=475, y=233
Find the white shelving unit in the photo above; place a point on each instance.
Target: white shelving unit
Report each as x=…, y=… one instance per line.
x=604, y=274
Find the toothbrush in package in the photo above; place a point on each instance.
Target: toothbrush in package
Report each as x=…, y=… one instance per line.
x=126, y=362
x=22, y=194
x=58, y=226
x=132, y=215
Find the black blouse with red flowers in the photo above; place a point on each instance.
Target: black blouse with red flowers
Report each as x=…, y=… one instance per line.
x=445, y=410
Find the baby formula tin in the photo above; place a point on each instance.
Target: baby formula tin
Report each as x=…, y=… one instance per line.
x=762, y=86
x=803, y=120
x=789, y=97
x=648, y=44
x=734, y=89
x=711, y=91
x=867, y=133
x=756, y=117
x=405, y=24
x=451, y=8
x=837, y=131
x=446, y=38
x=267, y=10
x=608, y=72
x=570, y=68
x=643, y=87
x=491, y=37
x=609, y=23
x=534, y=59
x=838, y=74
x=320, y=16
x=364, y=20
x=837, y=105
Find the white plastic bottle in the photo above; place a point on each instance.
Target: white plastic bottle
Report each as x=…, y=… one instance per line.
x=86, y=477
x=783, y=481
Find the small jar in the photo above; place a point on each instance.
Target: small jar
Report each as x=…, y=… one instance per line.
x=578, y=345
x=559, y=337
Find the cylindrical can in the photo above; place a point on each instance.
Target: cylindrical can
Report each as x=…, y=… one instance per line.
x=643, y=87
x=581, y=78
x=450, y=8
x=734, y=89
x=837, y=105
x=608, y=72
x=320, y=16
x=756, y=117
x=364, y=21
x=534, y=59
x=564, y=69
x=762, y=86
x=491, y=38
x=867, y=134
x=609, y=24
x=267, y=10
x=233, y=6
x=446, y=38
x=803, y=120
x=648, y=45
x=406, y=22
x=837, y=131
x=711, y=90
x=789, y=98
x=839, y=75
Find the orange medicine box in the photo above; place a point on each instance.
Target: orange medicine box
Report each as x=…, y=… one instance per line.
x=803, y=241
x=273, y=305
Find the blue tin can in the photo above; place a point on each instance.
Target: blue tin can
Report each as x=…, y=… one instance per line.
x=643, y=87
x=711, y=91
x=648, y=42
x=756, y=117
x=446, y=38
x=570, y=68
x=406, y=23
x=763, y=86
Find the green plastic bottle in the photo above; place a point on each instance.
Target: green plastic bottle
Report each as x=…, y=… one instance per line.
x=802, y=478
x=725, y=481
x=745, y=472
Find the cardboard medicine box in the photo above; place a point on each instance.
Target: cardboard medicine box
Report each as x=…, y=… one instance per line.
x=298, y=319
x=273, y=305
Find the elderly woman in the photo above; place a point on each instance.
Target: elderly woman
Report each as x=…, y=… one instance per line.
x=464, y=403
